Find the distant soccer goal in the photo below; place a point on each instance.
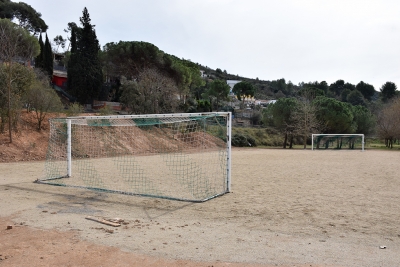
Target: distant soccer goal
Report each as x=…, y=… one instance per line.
x=175, y=156
x=337, y=141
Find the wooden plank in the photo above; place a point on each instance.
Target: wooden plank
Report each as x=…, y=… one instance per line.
x=103, y=221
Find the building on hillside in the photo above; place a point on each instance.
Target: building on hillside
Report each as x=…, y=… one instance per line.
x=59, y=71
x=59, y=78
x=203, y=74
x=264, y=102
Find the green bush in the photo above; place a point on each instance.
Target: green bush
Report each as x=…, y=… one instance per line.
x=239, y=140
x=243, y=141
x=256, y=137
x=74, y=110
x=106, y=110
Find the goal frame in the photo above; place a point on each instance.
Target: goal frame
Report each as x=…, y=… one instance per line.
x=184, y=116
x=338, y=135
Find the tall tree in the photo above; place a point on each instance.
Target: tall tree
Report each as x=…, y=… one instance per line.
x=337, y=87
x=355, y=98
x=25, y=15
x=15, y=44
x=152, y=93
x=73, y=68
x=305, y=119
x=388, y=122
x=48, y=58
x=388, y=91
x=242, y=90
x=283, y=117
x=84, y=68
x=59, y=41
x=366, y=89
x=219, y=89
x=39, y=58
x=336, y=117
x=364, y=120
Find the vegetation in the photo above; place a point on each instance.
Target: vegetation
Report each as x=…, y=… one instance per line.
x=85, y=77
x=388, y=91
x=26, y=16
x=218, y=89
x=127, y=60
x=147, y=80
x=42, y=99
x=15, y=42
x=153, y=93
x=242, y=90
x=389, y=123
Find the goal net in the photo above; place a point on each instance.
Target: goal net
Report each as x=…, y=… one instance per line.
x=337, y=141
x=173, y=156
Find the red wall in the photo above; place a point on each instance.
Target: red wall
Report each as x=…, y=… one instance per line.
x=59, y=81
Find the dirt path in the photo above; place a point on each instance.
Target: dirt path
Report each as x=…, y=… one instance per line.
x=287, y=208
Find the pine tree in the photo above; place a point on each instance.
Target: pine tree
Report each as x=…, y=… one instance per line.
x=84, y=68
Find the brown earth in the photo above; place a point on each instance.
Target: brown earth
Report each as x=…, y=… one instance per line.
x=287, y=208
x=29, y=144
x=25, y=246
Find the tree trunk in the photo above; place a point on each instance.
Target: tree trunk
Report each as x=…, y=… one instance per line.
x=9, y=103
x=286, y=137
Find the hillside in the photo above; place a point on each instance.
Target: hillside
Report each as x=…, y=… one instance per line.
x=28, y=143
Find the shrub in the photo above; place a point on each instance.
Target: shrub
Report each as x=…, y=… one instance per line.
x=74, y=110
x=242, y=140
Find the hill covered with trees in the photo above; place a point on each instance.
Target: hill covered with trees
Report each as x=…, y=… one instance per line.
x=146, y=79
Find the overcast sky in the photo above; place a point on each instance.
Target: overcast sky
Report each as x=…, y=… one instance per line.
x=299, y=40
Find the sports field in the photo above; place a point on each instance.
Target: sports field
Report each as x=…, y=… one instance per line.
x=287, y=208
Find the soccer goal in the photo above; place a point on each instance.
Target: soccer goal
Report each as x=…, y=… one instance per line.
x=175, y=156
x=337, y=141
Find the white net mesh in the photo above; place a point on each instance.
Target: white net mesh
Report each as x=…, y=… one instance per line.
x=181, y=157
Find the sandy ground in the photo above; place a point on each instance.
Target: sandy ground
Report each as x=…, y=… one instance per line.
x=287, y=208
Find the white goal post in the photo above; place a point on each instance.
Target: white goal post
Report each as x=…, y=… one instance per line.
x=326, y=138
x=185, y=156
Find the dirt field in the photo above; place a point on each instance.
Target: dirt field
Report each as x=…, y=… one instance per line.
x=287, y=208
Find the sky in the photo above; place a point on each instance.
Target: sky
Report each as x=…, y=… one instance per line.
x=298, y=40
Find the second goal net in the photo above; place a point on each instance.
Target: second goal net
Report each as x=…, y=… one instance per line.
x=337, y=141
x=176, y=156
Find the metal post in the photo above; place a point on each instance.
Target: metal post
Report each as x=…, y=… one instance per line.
x=69, y=158
x=312, y=142
x=362, y=143
x=228, y=139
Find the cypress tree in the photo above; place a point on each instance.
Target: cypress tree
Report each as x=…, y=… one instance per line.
x=84, y=68
x=39, y=58
x=48, y=58
x=71, y=63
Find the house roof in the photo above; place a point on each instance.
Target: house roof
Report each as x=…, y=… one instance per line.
x=59, y=73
